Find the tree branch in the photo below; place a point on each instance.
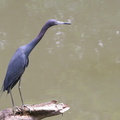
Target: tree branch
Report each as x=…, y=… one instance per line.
x=34, y=112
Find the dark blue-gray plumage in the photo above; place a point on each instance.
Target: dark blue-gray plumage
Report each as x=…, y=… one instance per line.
x=20, y=60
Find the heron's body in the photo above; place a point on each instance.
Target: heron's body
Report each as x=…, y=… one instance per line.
x=15, y=70
x=20, y=60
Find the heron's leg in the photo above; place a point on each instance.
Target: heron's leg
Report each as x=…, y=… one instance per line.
x=19, y=88
x=12, y=99
x=14, y=107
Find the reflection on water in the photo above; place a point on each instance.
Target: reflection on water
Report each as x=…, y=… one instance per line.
x=78, y=64
x=2, y=44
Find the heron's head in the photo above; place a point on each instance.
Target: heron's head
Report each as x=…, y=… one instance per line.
x=53, y=22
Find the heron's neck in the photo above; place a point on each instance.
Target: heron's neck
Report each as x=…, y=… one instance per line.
x=35, y=41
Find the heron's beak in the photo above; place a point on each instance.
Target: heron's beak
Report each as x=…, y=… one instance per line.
x=60, y=22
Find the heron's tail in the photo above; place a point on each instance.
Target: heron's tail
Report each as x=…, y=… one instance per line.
x=1, y=91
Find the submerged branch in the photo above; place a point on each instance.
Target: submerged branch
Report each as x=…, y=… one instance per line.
x=34, y=112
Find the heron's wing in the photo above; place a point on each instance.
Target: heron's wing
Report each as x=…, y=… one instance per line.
x=15, y=69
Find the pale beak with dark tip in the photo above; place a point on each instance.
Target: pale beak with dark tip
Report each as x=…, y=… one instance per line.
x=60, y=22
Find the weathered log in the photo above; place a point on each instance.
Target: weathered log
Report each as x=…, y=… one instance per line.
x=34, y=112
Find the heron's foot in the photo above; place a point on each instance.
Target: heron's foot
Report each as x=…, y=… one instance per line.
x=21, y=110
x=25, y=107
x=16, y=109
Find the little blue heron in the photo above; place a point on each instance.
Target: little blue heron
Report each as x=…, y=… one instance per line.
x=20, y=61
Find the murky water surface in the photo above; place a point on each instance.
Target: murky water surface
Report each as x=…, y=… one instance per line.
x=78, y=64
